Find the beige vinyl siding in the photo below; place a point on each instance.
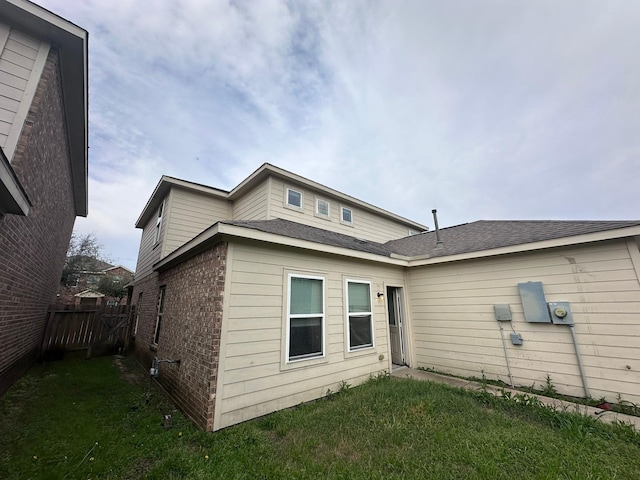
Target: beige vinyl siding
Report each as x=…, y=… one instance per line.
x=149, y=252
x=253, y=376
x=455, y=331
x=22, y=59
x=188, y=213
x=253, y=205
x=366, y=225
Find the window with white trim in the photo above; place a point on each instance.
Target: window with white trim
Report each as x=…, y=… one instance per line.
x=346, y=215
x=158, y=223
x=359, y=315
x=138, y=307
x=156, y=334
x=294, y=198
x=305, y=318
x=322, y=207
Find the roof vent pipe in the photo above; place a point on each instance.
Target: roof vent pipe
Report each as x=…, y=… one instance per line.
x=435, y=221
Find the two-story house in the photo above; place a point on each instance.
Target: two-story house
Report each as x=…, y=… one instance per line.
x=43, y=169
x=273, y=293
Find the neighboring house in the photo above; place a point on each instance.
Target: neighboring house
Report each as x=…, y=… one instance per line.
x=273, y=293
x=83, y=286
x=43, y=169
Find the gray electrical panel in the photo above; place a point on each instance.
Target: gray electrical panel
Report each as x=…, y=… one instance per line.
x=534, y=303
x=516, y=338
x=561, y=313
x=503, y=312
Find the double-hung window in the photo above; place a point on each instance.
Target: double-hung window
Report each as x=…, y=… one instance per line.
x=156, y=334
x=359, y=315
x=294, y=198
x=158, y=223
x=305, y=318
x=346, y=215
x=322, y=208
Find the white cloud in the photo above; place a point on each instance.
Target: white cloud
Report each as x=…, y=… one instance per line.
x=481, y=109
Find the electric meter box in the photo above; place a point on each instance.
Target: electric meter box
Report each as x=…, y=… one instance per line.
x=561, y=313
x=503, y=312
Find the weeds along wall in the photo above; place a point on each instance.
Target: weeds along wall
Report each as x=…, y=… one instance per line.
x=455, y=330
x=33, y=247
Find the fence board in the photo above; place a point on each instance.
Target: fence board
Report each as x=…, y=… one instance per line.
x=78, y=327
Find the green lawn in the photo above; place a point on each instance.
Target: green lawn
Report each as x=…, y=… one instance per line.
x=90, y=419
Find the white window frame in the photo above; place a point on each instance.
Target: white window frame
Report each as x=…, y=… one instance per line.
x=291, y=205
x=322, y=316
x=158, y=223
x=318, y=212
x=342, y=220
x=138, y=305
x=159, y=315
x=349, y=314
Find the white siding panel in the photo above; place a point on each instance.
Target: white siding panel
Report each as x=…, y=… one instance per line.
x=22, y=59
x=190, y=213
x=253, y=205
x=455, y=330
x=255, y=378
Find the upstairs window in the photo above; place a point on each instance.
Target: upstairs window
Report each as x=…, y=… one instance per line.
x=359, y=315
x=294, y=198
x=346, y=215
x=322, y=207
x=158, y=223
x=305, y=318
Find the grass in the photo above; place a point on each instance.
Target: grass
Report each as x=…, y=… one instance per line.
x=90, y=419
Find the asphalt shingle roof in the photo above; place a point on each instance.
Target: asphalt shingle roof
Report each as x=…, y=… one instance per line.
x=489, y=234
x=465, y=238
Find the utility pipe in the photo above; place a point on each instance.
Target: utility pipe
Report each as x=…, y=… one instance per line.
x=584, y=377
x=506, y=355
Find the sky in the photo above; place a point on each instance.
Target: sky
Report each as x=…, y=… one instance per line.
x=492, y=110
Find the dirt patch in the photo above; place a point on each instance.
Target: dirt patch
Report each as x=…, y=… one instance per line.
x=131, y=375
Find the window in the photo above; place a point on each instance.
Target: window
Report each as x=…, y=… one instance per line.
x=158, y=223
x=156, y=335
x=138, y=307
x=322, y=207
x=347, y=215
x=294, y=198
x=359, y=316
x=305, y=318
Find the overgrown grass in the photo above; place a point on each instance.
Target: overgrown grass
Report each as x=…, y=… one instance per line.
x=89, y=419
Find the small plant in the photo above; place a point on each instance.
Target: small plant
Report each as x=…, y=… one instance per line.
x=549, y=389
x=343, y=386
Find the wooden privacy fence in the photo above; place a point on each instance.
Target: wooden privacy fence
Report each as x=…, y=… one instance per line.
x=96, y=329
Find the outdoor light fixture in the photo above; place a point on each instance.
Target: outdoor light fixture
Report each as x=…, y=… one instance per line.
x=380, y=294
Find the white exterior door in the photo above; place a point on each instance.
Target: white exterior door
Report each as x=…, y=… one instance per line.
x=396, y=333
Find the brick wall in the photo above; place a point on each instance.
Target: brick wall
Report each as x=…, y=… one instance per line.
x=33, y=248
x=191, y=327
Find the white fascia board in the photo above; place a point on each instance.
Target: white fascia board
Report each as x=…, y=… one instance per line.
x=13, y=198
x=533, y=246
x=222, y=231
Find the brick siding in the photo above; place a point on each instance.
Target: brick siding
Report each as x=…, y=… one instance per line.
x=33, y=248
x=190, y=331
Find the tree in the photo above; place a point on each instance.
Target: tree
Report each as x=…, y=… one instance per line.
x=83, y=255
x=113, y=286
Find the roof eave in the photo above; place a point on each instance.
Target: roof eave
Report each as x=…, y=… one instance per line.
x=266, y=169
x=72, y=43
x=162, y=189
x=617, y=233
x=221, y=232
